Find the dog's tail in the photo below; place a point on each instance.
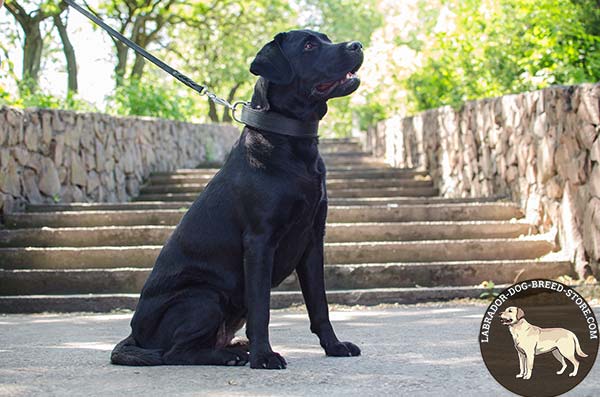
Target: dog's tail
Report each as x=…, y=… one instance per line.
x=578, y=348
x=127, y=352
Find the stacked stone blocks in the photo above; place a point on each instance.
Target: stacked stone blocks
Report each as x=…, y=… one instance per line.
x=63, y=156
x=540, y=149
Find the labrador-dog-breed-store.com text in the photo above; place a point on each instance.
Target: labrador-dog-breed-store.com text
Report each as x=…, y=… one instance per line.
x=259, y=219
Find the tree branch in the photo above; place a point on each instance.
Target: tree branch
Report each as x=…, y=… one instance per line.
x=19, y=13
x=69, y=52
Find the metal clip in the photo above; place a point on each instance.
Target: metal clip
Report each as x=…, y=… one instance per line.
x=213, y=97
x=234, y=108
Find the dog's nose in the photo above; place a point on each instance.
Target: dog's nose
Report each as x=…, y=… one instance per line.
x=354, y=46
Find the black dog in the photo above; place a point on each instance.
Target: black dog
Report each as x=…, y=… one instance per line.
x=260, y=218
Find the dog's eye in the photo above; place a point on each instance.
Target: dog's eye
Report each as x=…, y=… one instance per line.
x=309, y=46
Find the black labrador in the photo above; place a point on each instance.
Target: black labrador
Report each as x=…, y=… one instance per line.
x=260, y=218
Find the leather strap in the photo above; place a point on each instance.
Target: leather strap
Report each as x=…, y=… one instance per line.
x=277, y=123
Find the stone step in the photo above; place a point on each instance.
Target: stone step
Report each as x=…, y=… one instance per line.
x=383, y=192
x=530, y=247
x=492, y=211
x=80, y=207
x=366, y=168
x=386, y=173
x=365, y=173
x=279, y=299
x=333, y=160
x=175, y=178
x=376, y=213
x=339, y=147
x=334, y=193
x=347, y=154
x=188, y=171
x=393, y=201
x=334, y=141
x=337, y=277
x=386, y=168
x=332, y=185
x=152, y=205
x=336, y=232
x=417, y=231
x=436, y=274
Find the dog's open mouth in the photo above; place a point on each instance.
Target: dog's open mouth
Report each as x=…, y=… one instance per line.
x=330, y=85
x=505, y=321
x=326, y=88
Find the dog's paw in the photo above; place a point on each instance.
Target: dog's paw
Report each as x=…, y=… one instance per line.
x=267, y=360
x=235, y=357
x=519, y=376
x=342, y=349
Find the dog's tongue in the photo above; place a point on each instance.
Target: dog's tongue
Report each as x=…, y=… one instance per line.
x=328, y=85
x=325, y=86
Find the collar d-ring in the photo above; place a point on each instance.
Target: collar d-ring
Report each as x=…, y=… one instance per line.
x=235, y=107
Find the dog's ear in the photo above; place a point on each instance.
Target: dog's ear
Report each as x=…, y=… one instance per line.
x=260, y=99
x=272, y=64
x=520, y=313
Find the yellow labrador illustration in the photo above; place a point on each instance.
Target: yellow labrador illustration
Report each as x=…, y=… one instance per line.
x=531, y=340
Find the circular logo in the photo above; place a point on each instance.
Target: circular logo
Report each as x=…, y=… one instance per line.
x=539, y=338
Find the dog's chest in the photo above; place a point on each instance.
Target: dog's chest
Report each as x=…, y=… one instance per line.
x=303, y=227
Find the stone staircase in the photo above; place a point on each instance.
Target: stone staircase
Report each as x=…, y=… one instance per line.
x=390, y=238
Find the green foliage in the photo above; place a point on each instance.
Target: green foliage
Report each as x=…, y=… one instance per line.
x=141, y=98
x=217, y=45
x=443, y=53
x=5, y=97
x=209, y=151
x=370, y=114
x=211, y=41
x=343, y=20
x=342, y=114
x=38, y=98
x=338, y=122
x=489, y=292
x=505, y=46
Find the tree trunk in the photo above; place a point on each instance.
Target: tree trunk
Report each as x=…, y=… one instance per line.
x=32, y=56
x=226, y=112
x=34, y=42
x=138, y=67
x=212, y=112
x=122, y=52
x=138, y=37
x=69, y=55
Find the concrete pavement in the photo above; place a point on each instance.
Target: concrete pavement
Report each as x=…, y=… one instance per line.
x=414, y=350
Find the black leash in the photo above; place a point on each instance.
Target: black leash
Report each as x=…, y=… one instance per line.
x=268, y=121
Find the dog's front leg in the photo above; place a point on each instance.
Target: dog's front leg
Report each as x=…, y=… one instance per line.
x=258, y=268
x=312, y=282
x=521, y=364
x=529, y=358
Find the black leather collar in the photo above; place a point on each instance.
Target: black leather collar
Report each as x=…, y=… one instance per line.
x=278, y=124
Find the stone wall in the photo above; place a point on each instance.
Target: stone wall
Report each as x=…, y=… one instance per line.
x=540, y=149
x=62, y=156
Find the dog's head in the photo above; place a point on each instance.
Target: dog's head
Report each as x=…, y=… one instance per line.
x=301, y=69
x=511, y=315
